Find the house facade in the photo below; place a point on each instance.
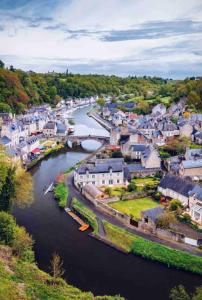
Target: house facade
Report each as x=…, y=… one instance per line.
x=101, y=172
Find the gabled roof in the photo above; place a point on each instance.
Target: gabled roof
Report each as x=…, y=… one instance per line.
x=138, y=147
x=92, y=190
x=153, y=213
x=5, y=140
x=176, y=184
x=189, y=164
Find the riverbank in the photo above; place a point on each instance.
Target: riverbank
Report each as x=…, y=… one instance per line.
x=126, y=242
x=46, y=154
x=90, y=265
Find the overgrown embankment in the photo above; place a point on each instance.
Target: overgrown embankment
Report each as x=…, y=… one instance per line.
x=152, y=250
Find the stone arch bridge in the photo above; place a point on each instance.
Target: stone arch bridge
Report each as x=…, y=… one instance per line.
x=76, y=140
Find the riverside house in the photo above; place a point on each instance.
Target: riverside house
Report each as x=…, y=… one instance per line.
x=101, y=172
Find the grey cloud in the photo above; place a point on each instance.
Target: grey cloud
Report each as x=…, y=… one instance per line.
x=154, y=30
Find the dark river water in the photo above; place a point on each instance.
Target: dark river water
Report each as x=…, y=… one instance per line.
x=89, y=264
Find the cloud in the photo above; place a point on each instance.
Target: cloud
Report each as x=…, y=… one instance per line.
x=155, y=30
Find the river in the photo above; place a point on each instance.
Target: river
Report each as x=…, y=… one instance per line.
x=89, y=264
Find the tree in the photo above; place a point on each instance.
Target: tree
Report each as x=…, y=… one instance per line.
x=2, y=65
x=117, y=154
x=194, y=99
x=101, y=102
x=175, y=205
x=23, y=187
x=56, y=266
x=22, y=244
x=132, y=187
x=5, y=108
x=7, y=189
x=7, y=225
x=179, y=293
x=165, y=220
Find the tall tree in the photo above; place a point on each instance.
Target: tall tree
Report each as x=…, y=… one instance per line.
x=56, y=266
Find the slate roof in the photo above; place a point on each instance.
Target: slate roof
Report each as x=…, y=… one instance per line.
x=176, y=184
x=138, y=147
x=189, y=164
x=92, y=190
x=199, y=135
x=49, y=125
x=5, y=140
x=194, y=153
x=153, y=213
x=61, y=128
x=100, y=168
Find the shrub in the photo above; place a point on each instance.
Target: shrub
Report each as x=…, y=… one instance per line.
x=7, y=226
x=175, y=204
x=132, y=187
x=61, y=193
x=22, y=244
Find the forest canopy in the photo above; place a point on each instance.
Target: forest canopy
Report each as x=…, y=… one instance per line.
x=20, y=89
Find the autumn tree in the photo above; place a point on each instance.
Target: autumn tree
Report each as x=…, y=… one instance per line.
x=101, y=102
x=56, y=266
x=165, y=220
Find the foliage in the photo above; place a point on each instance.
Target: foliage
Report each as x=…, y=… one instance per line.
x=117, y=154
x=20, y=280
x=22, y=244
x=61, y=193
x=166, y=219
x=56, y=266
x=175, y=204
x=179, y=293
x=86, y=213
x=15, y=184
x=7, y=226
x=132, y=187
x=101, y=102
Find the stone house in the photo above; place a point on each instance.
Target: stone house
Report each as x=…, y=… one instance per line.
x=191, y=168
x=198, y=138
x=176, y=188
x=149, y=218
x=50, y=129
x=101, y=172
x=92, y=193
x=193, y=154
x=136, y=150
x=150, y=158
x=186, y=130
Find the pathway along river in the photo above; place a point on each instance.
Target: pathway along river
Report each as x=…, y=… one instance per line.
x=90, y=264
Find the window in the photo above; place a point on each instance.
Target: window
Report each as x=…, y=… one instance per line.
x=103, y=181
x=118, y=181
x=93, y=182
x=93, y=176
x=111, y=181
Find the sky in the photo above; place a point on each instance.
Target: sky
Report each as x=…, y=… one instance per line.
x=120, y=37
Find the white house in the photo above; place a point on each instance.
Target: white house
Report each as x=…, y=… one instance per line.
x=101, y=172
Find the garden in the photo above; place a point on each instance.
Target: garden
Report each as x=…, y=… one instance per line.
x=134, y=207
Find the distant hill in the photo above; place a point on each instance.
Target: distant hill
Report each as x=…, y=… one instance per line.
x=19, y=89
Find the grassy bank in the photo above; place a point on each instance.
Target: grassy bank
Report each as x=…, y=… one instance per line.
x=152, y=250
x=21, y=280
x=61, y=193
x=86, y=213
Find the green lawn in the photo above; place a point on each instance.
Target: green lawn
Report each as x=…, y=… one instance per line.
x=141, y=182
x=134, y=207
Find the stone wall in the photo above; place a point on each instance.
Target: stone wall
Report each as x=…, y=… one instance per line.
x=113, y=212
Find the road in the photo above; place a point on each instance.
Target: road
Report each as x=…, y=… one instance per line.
x=102, y=216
